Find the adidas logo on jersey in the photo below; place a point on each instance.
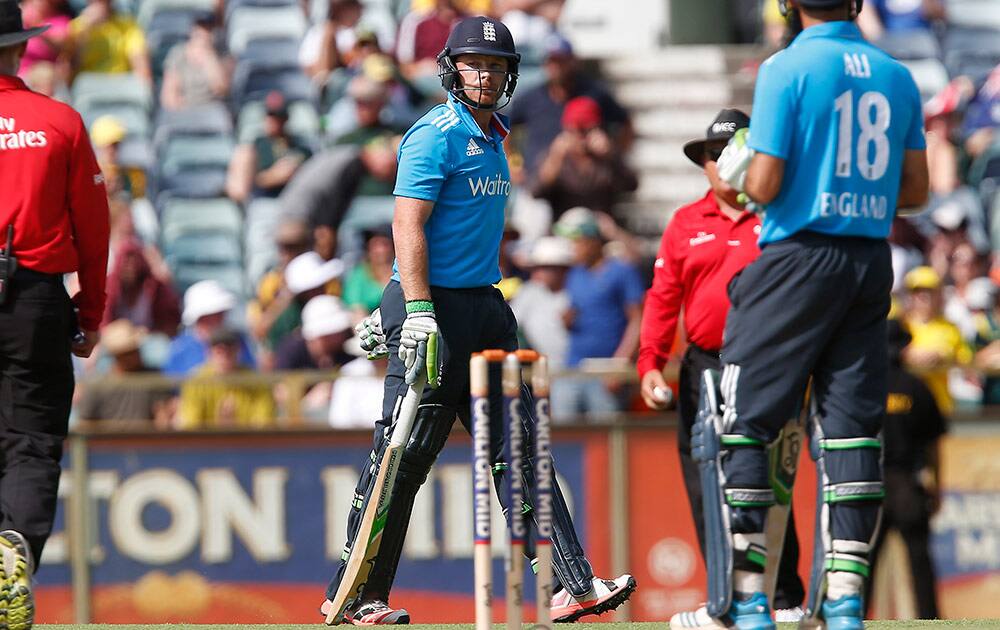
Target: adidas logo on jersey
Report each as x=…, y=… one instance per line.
x=472, y=148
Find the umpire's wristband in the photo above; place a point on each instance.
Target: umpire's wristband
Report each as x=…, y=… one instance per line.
x=419, y=306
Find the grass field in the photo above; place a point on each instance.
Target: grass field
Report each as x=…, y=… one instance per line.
x=973, y=624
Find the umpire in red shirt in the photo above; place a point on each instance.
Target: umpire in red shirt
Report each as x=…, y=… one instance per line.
x=54, y=204
x=705, y=244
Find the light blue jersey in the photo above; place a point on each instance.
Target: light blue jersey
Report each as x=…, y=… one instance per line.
x=841, y=113
x=446, y=158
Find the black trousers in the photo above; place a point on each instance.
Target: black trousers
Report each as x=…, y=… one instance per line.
x=906, y=510
x=789, y=591
x=36, y=390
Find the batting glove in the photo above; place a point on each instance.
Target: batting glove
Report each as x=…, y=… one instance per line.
x=418, y=343
x=372, y=337
x=735, y=159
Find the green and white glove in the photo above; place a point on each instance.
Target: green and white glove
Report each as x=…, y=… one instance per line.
x=735, y=159
x=418, y=343
x=372, y=337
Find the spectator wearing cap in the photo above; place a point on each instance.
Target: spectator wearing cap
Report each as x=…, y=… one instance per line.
x=326, y=44
x=879, y=17
x=194, y=73
x=603, y=319
x=422, y=35
x=107, y=134
x=217, y=397
x=982, y=118
x=541, y=301
x=365, y=281
x=987, y=344
x=965, y=267
x=943, y=120
x=263, y=167
x=356, y=394
x=103, y=40
x=583, y=167
x=135, y=294
x=539, y=111
x=206, y=305
x=319, y=343
x=306, y=276
x=363, y=116
x=951, y=222
x=114, y=397
x=292, y=239
x=937, y=343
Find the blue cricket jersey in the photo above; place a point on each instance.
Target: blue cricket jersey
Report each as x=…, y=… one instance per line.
x=446, y=158
x=840, y=113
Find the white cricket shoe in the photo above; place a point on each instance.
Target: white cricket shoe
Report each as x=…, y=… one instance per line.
x=604, y=595
x=698, y=619
x=789, y=615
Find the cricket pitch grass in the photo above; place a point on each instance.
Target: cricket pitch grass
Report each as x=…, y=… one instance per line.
x=968, y=624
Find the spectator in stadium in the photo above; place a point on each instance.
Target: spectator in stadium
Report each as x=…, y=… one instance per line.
x=206, y=305
x=48, y=47
x=194, y=73
x=363, y=115
x=326, y=44
x=540, y=303
x=323, y=189
x=366, y=280
x=603, y=320
x=966, y=266
x=113, y=397
x=943, y=119
x=582, y=166
x=135, y=294
x=356, y=395
x=103, y=40
x=422, y=35
x=292, y=239
x=911, y=435
x=937, y=343
x=987, y=347
x=306, y=276
x=879, y=17
x=319, y=343
x=531, y=22
x=263, y=167
x=982, y=117
x=210, y=400
x=107, y=134
x=539, y=110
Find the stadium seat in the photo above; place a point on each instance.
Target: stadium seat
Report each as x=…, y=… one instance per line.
x=134, y=118
x=94, y=89
x=303, y=120
x=971, y=51
x=252, y=82
x=228, y=275
x=209, y=119
x=910, y=45
x=930, y=76
x=232, y=5
x=180, y=216
x=261, y=253
x=247, y=23
x=192, y=182
x=150, y=11
x=202, y=248
x=190, y=150
x=977, y=13
x=276, y=51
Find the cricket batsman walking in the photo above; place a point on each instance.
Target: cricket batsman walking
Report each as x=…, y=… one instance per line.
x=441, y=306
x=835, y=146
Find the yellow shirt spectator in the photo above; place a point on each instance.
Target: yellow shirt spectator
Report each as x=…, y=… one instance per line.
x=466, y=7
x=943, y=338
x=208, y=404
x=109, y=46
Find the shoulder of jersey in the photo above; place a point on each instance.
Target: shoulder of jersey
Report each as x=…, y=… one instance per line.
x=442, y=117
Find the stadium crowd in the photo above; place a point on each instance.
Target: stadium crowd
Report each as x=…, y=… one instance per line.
x=249, y=150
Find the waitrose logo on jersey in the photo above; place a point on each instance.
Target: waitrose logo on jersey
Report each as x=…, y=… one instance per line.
x=490, y=186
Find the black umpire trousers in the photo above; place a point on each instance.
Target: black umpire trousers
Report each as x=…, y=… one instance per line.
x=789, y=591
x=37, y=322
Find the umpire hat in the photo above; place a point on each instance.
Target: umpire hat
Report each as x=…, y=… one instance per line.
x=719, y=132
x=12, y=31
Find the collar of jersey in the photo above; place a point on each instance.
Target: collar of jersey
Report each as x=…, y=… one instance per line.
x=498, y=126
x=840, y=28
x=8, y=82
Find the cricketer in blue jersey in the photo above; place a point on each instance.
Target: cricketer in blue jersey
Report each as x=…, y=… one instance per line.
x=834, y=148
x=441, y=306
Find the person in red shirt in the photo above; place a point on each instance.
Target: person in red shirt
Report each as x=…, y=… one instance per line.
x=55, y=207
x=704, y=246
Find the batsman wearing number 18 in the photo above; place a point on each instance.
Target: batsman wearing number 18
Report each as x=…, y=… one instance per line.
x=835, y=146
x=438, y=309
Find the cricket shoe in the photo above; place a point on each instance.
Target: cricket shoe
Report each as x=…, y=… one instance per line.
x=846, y=613
x=752, y=613
x=371, y=613
x=604, y=595
x=16, y=565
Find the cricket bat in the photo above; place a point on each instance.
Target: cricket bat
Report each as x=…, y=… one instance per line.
x=369, y=538
x=783, y=463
